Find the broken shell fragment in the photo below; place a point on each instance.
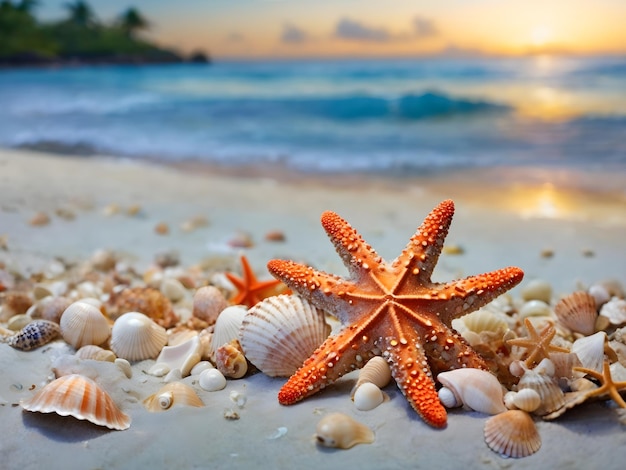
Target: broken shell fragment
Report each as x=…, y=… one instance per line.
x=615, y=311
x=35, y=334
x=136, y=337
x=341, y=431
x=80, y=397
x=173, y=394
x=182, y=356
x=512, y=434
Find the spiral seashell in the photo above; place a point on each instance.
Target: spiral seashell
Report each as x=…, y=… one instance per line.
x=80, y=397
x=376, y=371
x=615, y=311
x=136, y=337
x=230, y=361
x=173, y=394
x=82, y=323
x=477, y=389
x=279, y=333
x=341, y=431
x=577, y=312
x=540, y=380
x=35, y=334
x=590, y=350
x=208, y=303
x=512, y=434
x=368, y=396
x=211, y=380
x=227, y=326
x=95, y=353
x=537, y=289
x=448, y=398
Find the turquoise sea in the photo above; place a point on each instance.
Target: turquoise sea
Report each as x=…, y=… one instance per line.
x=400, y=116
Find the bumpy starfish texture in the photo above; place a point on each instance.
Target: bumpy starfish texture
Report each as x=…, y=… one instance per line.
x=608, y=386
x=393, y=310
x=251, y=291
x=537, y=343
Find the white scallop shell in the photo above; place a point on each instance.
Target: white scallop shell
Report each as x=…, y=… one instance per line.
x=577, y=311
x=80, y=397
x=376, y=371
x=590, y=350
x=368, y=396
x=342, y=431
x=477, y=389
x=173, y=394
x=281, y=332
x=136, y=337
x=615, y=311
x=541, y=381
x=182, y=356
x=512, y=434
x=227, y=326
x=212, y=380
x=83, y=323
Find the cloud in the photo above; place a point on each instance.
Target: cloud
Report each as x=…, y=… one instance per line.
x=424, y=27
x=293, y=35
x=353, y=30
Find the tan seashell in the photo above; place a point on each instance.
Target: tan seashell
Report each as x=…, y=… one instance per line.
x=512, y=434
x=14, y=303
x=483, y=320
x=577, y=312
x=477, y=389
x=80, y=397
x=537, y=289
x=95, y=353
x=564, y=364
x=208, y=303
x=230, y=361
x=535, y=308
x=368, y=396
x=173, y=394
x=35, y=334
x=50, y=308
x=526, y=399
x=227, y=326
x=615, y=311
x=173, y=289
x=590, y=350
x=82, y=323
x=376, y=371
x=540, y=380
x=147, y=300
x=136, y=337
x=17, y=322
x=341, y=431
x=281, y=332
x=182, y=356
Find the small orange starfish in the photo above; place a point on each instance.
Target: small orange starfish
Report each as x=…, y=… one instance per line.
x=251, y=291
x=608, y=386
x=393, y=310
x=538, y=344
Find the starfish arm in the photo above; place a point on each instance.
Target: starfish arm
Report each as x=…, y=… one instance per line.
x=422, y=252
x=334, y=358
x=359, y=257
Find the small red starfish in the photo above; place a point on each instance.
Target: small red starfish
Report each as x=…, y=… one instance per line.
x=251, y=291
x=393, y=310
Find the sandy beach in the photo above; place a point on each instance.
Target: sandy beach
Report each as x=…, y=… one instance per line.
x=564, y=233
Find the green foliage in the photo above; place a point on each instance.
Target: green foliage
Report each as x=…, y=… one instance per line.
x=79, y=37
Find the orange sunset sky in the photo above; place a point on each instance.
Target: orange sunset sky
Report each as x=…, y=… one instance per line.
x=319, y=28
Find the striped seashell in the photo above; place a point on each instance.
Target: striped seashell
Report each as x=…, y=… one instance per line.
x=512, y=434
x=230, y=360
x=173, y=394
x=227, y=326
x=136, y=337
x=83, y=323
x=80, y=397
x=281, y=332
x=577, y=312
x=35, y=334
x=476, y=389
x=541, y=381
x=95, y=353
x=376, y=371
x=483, y=320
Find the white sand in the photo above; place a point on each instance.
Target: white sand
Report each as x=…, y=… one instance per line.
x=497, y=225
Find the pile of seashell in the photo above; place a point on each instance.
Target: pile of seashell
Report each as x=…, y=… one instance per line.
x=545, y=355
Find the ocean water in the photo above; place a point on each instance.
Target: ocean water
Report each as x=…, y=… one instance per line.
x=407, y=116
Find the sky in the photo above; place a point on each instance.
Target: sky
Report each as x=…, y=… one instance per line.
x=358, y=28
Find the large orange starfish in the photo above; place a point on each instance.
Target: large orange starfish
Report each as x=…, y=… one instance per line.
x=251, y=291
x=393, y=310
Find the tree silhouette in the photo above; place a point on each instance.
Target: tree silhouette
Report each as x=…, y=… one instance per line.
x=131, y=21
x=80, y=13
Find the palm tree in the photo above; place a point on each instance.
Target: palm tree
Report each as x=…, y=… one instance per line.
x=27, y=6
x=131, y=20
x=80, y=13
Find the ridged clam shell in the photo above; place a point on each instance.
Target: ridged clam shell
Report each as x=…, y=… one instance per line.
x=82, y=323
x=342, y=431
x=526, y=399
x=577, y=311
x=80, y=397
x=227, y=326
x=279, y=333
x=552, y=397
x=483, y=320
x=590, y=350
x=376, y=371
x=173, y=394
x=208, y=303
x=512, y=434
x=477, y=389
x=35, y=334
x=95, y=353
x=615, y=311
x=136, y=337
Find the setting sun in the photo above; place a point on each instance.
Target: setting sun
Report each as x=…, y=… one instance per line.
x=541, y=35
